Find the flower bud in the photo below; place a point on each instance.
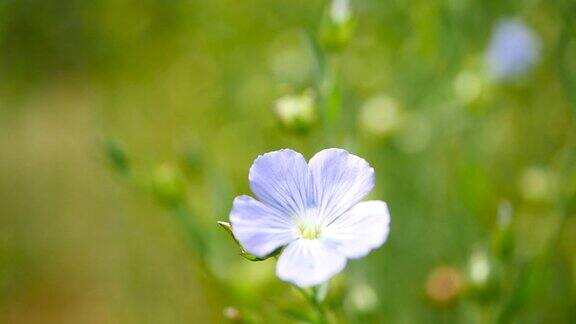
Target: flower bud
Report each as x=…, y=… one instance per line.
x=469, y=86
x=117, y=156
x=482, y=276
x=168, y=184
x=296, y=112
x=191, y=161
x=337, y=26
x=536, y=184
x=444, y=285
x=380, y=116
x=362, y=298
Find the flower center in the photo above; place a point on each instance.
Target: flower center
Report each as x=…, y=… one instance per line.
x=309, y=231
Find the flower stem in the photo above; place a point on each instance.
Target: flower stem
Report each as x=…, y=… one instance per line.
x=314, y=296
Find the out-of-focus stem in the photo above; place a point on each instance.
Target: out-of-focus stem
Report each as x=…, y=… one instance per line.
x=311, y=297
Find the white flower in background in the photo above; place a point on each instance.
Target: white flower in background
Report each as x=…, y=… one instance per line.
x=313, y=210
x=514, y=49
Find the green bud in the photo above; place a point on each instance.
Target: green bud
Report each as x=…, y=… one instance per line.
x=362, y=298
x=168, y=184
x=117, y=156
x=191, y=161
x=228, y=228
x=469, y=86
x=380, y=116
x=296, y=112
x=337, y=26
x=537, y=184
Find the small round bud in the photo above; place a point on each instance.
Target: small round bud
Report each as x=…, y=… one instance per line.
x=362, y=298
x=191, y=160
x=482, y=276
x=337, y=26
x=444, y=285
x=168, y=184
x=296, y=112
x=468, y=86
x=536, y=184
x=380, y=116
x=117, y=156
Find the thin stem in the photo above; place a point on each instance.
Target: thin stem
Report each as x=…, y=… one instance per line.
x=193, y=237
x=310, y=296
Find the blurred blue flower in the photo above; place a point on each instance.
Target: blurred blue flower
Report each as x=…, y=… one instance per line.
x=514, y=49
x=313, y=209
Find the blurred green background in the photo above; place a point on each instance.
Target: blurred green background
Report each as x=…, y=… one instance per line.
x=127, y=128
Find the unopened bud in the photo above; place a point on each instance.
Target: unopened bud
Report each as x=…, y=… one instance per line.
x=468, y=86
x=337, y=26
x=191, y=161
x=117, y=156
x=296, y=112
x=482, y=276
x=536, y=184
x=362, y=298
x=380, y=116
x=168, y=184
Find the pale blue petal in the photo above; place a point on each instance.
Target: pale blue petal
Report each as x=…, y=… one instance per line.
x=307, y=263
x=259, y=228
x=361, y=229
x=280, y=180
x=340, y=180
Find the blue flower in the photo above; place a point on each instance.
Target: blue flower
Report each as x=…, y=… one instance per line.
x=313, y=210
x=513, y=50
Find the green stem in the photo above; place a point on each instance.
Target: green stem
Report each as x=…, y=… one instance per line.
x=311, y=297
x=193, y=238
